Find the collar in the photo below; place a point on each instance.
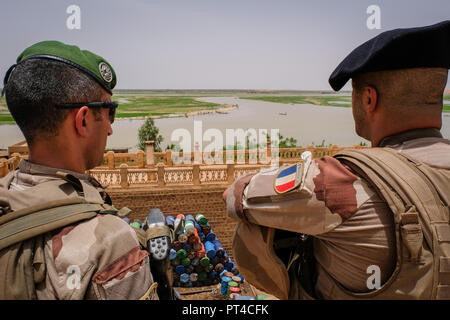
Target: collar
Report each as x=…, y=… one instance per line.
x=410, y=135
x=25, y=166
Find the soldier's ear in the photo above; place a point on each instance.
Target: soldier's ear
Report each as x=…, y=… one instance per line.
x=370, y=99
x=80, y=121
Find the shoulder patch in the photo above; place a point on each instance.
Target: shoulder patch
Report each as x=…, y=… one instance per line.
x=289, y=178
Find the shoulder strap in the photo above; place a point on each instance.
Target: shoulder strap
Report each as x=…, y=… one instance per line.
x=27, y=223
x=392, y=171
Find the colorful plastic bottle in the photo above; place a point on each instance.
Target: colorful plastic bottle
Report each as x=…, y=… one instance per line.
x=201, y=253
x=189, y=269
x=201, y=219
x=170, y=220
x=220, y=252
x=179, y=269
x=181, y=254
x=182, y=238
x=173, y=254
x=184, y=278
x=202, y=276
x=219, y=267
x=179, y=223
x=186, y=262
x=210, y=251
x=204, y=262
x=189, y=228
x=211, y=236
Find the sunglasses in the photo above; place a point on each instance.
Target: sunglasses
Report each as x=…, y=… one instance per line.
x=111, y=105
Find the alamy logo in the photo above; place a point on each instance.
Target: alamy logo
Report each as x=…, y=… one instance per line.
x=74, y=279
x=374, y=280
x=74, y=20
x=254, y=140
x=374, y=20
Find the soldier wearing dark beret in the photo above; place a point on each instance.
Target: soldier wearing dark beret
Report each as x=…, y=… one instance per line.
x=369, y=223
x=60, y=236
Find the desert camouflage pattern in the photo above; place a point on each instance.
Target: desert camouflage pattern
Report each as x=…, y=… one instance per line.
x=98, y=258
x=352, y=226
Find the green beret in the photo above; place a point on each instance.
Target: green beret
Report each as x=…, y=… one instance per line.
x=84, y=60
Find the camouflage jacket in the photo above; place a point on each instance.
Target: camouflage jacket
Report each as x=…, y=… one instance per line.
x=352, y=226
x=99, y=258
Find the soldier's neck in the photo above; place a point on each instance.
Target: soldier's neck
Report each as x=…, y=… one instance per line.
x=56, y=156
x=386, y=126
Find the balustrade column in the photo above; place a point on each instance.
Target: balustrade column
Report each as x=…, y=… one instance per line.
x=198, y=154
x=3, y=167
x=196, y=174
x=110, y=159
x=140, y=159
x=124, y=175
x=150, y=152
x=230, y=172
x=160, y=168
x=169, y=157
x=16, y=159
x=333, y=150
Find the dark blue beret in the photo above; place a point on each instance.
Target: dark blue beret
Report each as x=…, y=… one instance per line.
x=423, y=47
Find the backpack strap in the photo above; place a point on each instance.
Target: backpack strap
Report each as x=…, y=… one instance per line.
x=418, y=210
x=27, y=223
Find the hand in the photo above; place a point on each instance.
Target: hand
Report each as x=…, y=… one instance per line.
x=238, y=191
x=225, y=194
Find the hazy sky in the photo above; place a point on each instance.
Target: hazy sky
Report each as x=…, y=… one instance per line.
x=210, y=44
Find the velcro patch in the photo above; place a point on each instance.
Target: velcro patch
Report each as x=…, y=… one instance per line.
x=289, y=178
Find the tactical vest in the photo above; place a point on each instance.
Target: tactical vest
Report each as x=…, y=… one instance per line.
x=419, y=196
x=22, y=263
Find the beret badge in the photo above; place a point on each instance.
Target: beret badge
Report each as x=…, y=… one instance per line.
x=105, y=72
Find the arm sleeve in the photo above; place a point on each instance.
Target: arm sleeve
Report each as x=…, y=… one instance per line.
x=98, y=259
x=327, y=195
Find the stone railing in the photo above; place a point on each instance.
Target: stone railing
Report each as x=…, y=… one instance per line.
x=7, y=165
x=150, y=158
x=162, y=169
x=172, y=176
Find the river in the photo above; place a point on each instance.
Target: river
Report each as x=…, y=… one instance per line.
x=306, y=123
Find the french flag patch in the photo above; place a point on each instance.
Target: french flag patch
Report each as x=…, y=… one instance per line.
x=289, y=178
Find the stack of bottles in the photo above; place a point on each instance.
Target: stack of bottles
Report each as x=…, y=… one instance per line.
x=230, y=285
x=197, y=256
x=137, y=223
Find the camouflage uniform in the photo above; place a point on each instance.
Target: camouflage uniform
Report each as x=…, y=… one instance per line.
x=352, y=226
x=99, y=258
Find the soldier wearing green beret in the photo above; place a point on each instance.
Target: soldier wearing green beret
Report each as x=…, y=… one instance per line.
x=60, y=236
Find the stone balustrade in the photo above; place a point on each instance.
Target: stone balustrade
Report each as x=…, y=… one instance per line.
x=7, y=165
x=140, y=169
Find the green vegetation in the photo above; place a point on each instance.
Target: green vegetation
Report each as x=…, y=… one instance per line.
x=334, y=101
x=5, y=116
x=146, y=105
x=447, y=103
x=141, y=105
x=180, y=102
x=148, y=132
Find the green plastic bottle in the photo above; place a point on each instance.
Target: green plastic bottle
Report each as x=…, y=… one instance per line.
x=200, y=218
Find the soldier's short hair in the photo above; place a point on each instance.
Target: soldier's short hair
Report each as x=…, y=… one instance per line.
x=415, y=88
x=36, y=86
